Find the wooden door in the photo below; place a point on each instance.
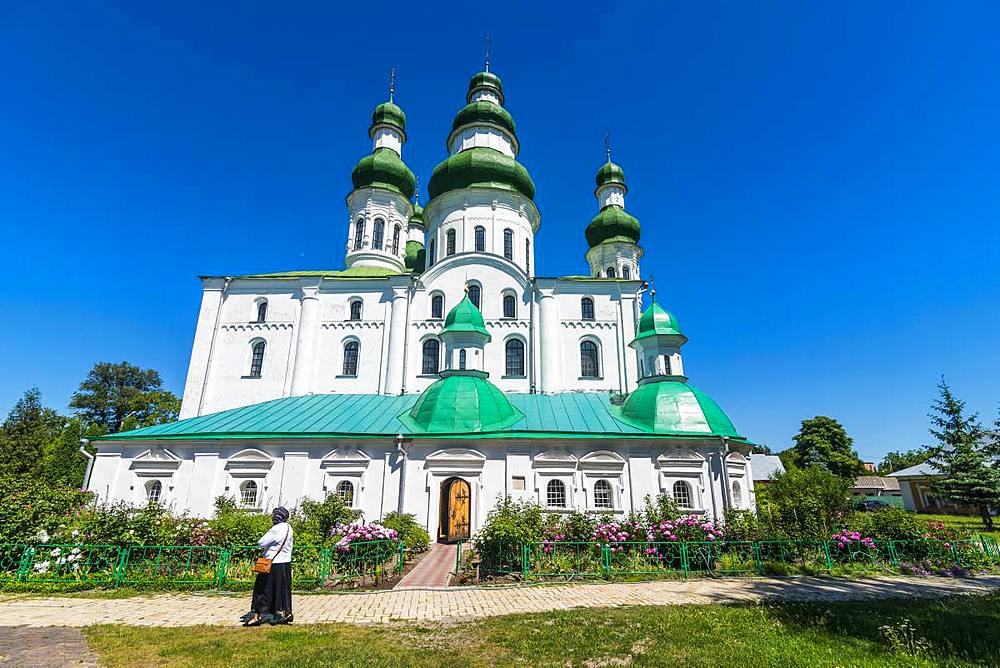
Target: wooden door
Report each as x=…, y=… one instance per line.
x=458, y=510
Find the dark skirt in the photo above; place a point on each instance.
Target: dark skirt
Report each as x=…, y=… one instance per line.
x=272, y=592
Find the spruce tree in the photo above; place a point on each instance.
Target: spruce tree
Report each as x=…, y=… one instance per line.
x=966, y=455
x=25, y=434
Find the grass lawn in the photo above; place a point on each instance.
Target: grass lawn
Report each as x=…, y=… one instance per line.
x=959, y=631
x=965, y=523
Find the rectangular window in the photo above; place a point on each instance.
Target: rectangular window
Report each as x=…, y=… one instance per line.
x=517, y=483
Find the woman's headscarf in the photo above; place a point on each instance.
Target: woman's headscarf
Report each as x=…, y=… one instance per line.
x=279, y=514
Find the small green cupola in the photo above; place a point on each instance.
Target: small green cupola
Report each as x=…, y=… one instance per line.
x=658, y=341
x=613, y=234
x=384, y=167
x=464, y=337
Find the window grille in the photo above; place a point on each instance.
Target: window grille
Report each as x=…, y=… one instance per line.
x=682, y=494
x=555, y=494
x=351, y=349
x=515, y=357
x=603, y=495
x=589, y=363
x=257, y=359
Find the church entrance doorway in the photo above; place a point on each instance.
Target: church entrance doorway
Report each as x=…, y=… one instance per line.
x=455, y=504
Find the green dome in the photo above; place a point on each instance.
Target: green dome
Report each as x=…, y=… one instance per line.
x=610, y=173
x=657, y=322
x=461, y=404
x=484, y=111
x=485, y=80
x=480, y=166
x=612, y=224
x=388, y=113
x=414, y=258
x=417, y=218
x=674, y=407
x=384, y=169
x=465, y=317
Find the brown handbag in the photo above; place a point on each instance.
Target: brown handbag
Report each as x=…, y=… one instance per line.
x=263, y=565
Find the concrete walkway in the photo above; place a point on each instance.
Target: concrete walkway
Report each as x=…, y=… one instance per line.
x=460, y=603
x=434, y=570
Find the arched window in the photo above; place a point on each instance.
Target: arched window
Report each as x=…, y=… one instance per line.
x=351, y=349
x=262, y=311
x=257, y=359
x=509, y=306
x=248, y=494
x=508, y=244
x=153, y=490
x=514, y=353
x=345, y=490
x=356, y=309
x=395, y=239
x=666, y=365
x=432, y=357
x=603, y=496
x=359, y=234
x=480, y=239
x=461, y=359
x=737, y=494
x=589, y=360
x=587, y=308
x=527, y=255
x=682, y=494
x=378, y=234
x=555, y=494
x=611, y=272
x=437, y=307
x=432, y=253
x=475, y=292
x=450, y=242
x=626, y=272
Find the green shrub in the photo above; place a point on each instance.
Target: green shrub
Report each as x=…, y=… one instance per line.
x=743, y=525
x=889, y=524
x=313, y=521
x=805, y=504
x=662, y=508
x=507, y=525
x=414, y=536
x=30, y=506
x=233, y=526
x=576, y=526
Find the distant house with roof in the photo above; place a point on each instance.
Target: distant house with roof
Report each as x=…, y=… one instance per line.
x=874, y=485
x=916, y=486
x=764, y=467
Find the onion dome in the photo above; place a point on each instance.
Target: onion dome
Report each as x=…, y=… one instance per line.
x=484, y=112
x=461, y=404
x=417, y=217
x=388, y=113
x=384, y=169
x=482, y=167
x=610, y=173
x=671, y=406
x=465, y=317
x=657, y=322
x=414, y=258
x=487, y=81
x=612, y=224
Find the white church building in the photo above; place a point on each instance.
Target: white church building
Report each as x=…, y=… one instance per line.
x=438, y=372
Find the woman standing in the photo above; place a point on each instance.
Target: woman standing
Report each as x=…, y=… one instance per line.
x=272, y=592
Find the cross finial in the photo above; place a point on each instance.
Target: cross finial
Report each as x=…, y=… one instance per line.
x=392, y=83
x=487, y=53
x=416, y=189
x=652, y=287
x=607, y=145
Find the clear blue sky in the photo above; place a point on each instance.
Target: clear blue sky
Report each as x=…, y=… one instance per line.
x=818, y=188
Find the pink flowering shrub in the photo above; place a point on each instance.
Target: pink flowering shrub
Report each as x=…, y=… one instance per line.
x=346, y=534
x=845, y=539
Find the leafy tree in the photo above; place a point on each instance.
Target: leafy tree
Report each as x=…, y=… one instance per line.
x=62, y=462
x=116, y=397
x=823, y=442
x=966, y=454
x=760, y=449
x=26, y=432
x=805, y=503
x=897, y=461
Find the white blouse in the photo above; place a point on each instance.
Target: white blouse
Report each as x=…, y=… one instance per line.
x=272, y=542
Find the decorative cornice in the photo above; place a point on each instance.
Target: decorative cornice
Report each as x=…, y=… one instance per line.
x=589, y=324
x=352, y=324
x=255, y=326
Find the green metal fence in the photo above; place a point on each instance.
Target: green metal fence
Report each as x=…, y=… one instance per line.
x=193, y=565
x=599, y=560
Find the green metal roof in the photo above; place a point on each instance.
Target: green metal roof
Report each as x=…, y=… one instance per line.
x=484, y=111
x=414, y=259
x=657, y=322
x=610, y=173
x=480, y=167
x=485, y=80
x=465, y=317
x=353, y=272
x=388, y=113
x=673, y=406
x=383, y=168
x=460, y=404
x=566, y=415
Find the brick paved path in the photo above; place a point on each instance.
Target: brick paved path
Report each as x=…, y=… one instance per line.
x=467, y=603
x=434, y=570
x=23, y=646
